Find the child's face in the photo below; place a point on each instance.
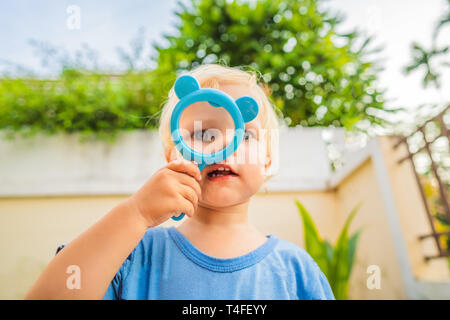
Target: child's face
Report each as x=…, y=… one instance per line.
x=249, y=162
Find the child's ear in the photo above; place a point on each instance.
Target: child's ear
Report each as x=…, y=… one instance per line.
x=267, y=165
x=248, y=106
x=185, y=85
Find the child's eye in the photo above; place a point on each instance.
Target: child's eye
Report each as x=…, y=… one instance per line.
x=203, y=135
x=248, y=135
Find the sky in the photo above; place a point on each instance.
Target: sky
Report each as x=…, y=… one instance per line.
x=106, y=25
x=396, y=24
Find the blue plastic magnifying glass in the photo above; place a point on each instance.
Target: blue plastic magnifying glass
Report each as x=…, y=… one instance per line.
x=243, y=110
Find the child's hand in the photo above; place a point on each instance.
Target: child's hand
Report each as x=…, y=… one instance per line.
x=171, y=190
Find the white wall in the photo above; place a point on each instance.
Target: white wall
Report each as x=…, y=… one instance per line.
x=60, y=165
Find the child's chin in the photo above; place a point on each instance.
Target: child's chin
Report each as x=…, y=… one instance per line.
x=223, y=202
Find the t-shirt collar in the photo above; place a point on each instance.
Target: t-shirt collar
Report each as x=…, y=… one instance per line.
x=222, y=264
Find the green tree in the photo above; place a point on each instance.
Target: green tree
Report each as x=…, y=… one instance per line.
x=317, y=76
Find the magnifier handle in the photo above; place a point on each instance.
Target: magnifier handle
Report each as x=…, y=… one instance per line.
x=201, y=166
x=181, y=216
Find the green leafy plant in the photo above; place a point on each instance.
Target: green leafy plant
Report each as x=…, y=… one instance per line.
x=317, y=75
x=90, y=103
x=335, y=262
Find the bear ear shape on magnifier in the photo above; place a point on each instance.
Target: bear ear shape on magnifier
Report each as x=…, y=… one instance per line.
x=248, y=107
x=187, y=84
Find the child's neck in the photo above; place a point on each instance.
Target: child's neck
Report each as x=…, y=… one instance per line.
x=227, y=217
x=222, y=232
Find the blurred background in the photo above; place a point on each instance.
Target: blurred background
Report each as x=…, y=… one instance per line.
x=362, y=89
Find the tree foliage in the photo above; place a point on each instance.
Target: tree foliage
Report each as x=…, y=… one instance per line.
x=94, y=104
x=317, y=76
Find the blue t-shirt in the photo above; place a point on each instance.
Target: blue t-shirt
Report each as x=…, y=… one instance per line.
x=166, y=265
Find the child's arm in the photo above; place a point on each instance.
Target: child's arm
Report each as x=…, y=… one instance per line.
x=100, y=251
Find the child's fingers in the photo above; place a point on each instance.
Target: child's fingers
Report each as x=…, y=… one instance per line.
x=191, y=183
x=189, y=194
x=184, y=166
x=186, y=206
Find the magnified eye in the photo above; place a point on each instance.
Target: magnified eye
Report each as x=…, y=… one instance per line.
x=249, y=135
x=204, y=135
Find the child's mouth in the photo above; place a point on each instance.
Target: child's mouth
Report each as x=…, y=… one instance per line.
x=217, y=175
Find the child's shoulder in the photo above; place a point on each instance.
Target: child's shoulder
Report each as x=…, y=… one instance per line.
x=291, y=249
x=155, y=236
x=313, y=283
x=153, y=240
x=155, y=232
x=294, y=255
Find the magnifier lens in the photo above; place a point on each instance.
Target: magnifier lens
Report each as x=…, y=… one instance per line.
x=206, y=129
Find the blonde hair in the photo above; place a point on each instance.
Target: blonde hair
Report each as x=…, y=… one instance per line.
x=211, y=76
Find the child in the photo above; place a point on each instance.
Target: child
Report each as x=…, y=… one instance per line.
x=214, y=253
